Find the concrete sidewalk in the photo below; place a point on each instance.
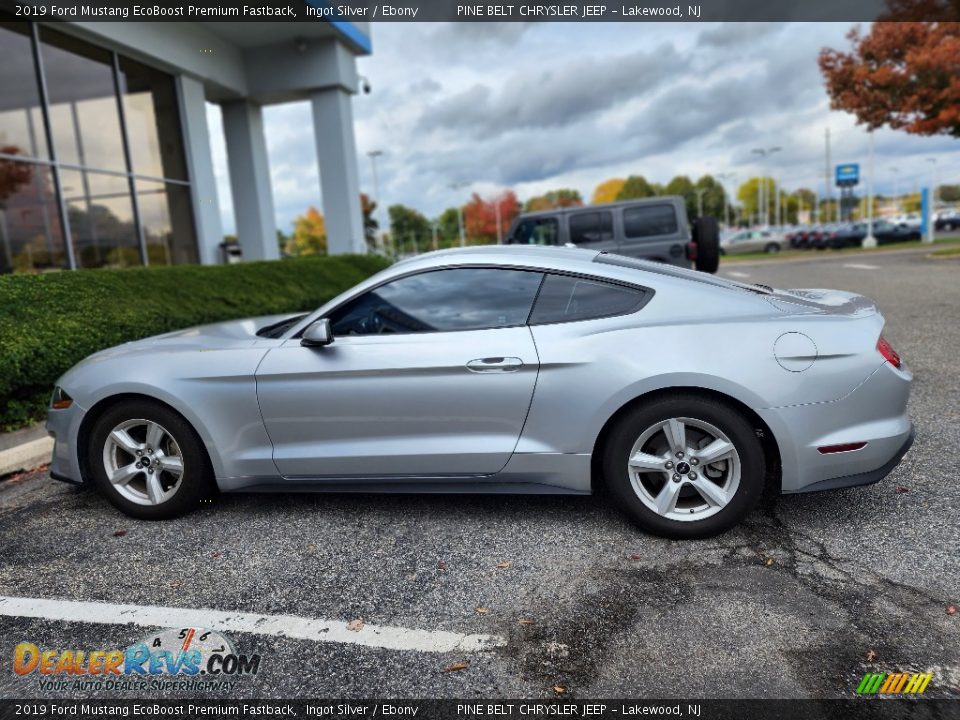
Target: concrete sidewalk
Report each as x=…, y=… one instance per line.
x=24, y=449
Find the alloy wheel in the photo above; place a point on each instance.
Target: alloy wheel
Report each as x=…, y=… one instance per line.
x=143, y=462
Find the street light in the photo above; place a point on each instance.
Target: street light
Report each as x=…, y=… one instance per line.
x=726, y=207
x=896, y=189
x=764, y=198
x=463, y=238
x=373, y=155
x=933, y=199
x=870, y=241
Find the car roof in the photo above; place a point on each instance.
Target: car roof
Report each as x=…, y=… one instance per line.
x=653, y=200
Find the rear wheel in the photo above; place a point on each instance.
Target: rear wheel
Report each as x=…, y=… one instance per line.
x=684, y=466
x=771, y=248
x=706, y=235
x=148, y=461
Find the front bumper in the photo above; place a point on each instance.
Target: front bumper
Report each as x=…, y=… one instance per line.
x=64, y=427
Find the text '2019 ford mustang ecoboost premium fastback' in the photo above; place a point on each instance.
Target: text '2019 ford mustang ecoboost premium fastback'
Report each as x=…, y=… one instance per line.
x=503, y=370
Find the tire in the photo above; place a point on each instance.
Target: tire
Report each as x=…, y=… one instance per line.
x=771, y=248
x=152, y=488
x=737, y=478
x=706, y=235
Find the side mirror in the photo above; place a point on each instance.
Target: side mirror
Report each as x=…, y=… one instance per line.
x=317, y=334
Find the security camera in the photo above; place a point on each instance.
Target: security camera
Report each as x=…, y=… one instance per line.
x=364, y=84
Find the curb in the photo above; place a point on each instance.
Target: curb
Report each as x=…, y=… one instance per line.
x=25, y=449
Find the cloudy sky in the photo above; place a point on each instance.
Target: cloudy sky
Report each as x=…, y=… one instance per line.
x=541, y=106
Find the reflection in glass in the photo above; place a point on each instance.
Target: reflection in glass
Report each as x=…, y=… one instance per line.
x=100, y=213
x=30, y=232
x=167, y=219
x=83, y=106
x=153, y=121
x=21, y=121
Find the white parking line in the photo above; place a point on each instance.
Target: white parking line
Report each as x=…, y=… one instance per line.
x=289, y=626
x=732, y=273
x=858, y=266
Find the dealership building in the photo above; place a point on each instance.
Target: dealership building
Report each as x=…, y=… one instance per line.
x=105, y=156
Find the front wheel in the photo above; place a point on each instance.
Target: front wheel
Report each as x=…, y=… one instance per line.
x=148, y=461
x=771, y=248
x=685, y=466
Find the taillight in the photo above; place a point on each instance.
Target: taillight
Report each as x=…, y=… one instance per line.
x=691, y=251
x=889, y=354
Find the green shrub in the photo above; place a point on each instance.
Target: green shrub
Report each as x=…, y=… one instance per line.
x=51, y=321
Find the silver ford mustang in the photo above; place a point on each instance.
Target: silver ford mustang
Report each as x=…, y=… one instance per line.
x=503, y=370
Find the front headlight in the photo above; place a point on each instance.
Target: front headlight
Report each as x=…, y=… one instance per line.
x=60, y=400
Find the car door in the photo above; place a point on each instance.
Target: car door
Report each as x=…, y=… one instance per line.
x=430, y=374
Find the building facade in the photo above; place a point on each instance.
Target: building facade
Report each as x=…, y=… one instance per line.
x=105, y=156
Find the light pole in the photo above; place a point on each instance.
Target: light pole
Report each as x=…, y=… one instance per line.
x=463, y=238
x=700, y=193
x=762, y=190
x=933, y=199
x=896, y=189
x=496, y=210
x=726, y=206
x=374, y=154
x=870, y=241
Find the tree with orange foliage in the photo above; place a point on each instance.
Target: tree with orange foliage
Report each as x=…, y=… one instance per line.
x=309, y=234
x=13, y=175
x=480, y=216
x=607, y=191
x=902, y=74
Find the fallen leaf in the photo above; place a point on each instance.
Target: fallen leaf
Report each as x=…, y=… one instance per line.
x=482, y=610
x=559, y=689
x=355, y=625
x=526, y=621
x=951, y=609
x=457, y=666
x=441, y=566
x=215, y=553
x=636, y=556
x=119, y=533
x=871, y=655
x=901, y=489
x=504, y=564
x=769, y=562
x=311, y=547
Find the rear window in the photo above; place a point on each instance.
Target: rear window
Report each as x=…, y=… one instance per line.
x=649, y=220
x=591, y=227
x=564, y=298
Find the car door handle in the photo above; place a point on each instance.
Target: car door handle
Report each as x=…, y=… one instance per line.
x=495, y=365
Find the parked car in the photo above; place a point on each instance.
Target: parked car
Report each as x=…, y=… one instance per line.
x=652, y=228
x=747, y=241
x=502, y=370
x=947, y=220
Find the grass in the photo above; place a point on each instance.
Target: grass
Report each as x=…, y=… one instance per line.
x=785, y=254
x=947, y=252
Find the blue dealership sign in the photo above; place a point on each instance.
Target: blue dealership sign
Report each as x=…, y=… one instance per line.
x=848, y=174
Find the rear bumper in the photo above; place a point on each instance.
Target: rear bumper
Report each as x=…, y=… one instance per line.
x=864, y=478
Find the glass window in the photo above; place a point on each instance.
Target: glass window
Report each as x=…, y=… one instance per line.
x=565, y=299
x=21, y=120
x=536, y=231
x=591, y=227
x=30, y=233
x=167, y=219
x=100, y=213
x=153, y=121
x=649, y=221
x=83, y=104
x=456, y=299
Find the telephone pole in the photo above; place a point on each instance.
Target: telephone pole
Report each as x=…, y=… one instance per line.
x=826, y=176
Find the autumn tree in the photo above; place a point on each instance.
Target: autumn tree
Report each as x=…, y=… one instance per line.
x=636, y=187
x=564, y=197
x=902, y=74
x=480, y=216
x=309, y=234
x=370, y=225
x=448, y=227
x=13, y=175
x=607, y=191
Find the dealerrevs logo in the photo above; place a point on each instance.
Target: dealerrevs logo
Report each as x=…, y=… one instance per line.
x=170, y=659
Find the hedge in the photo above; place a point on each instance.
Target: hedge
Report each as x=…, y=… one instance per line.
x=50, y=321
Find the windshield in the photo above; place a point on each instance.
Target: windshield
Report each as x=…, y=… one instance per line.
x=277, y=329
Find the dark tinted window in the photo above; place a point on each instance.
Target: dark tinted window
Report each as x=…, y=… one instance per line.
x=565, y=299
x=649, y=220
x=591, y=227
x=456, y=299
x=536, y=231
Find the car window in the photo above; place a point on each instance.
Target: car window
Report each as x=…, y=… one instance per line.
x=438, y=300
x=649, y=220
x=536, y=231
x=566, y=299
x=591, y=227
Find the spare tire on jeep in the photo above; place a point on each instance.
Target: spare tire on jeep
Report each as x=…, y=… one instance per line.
x=706, y=237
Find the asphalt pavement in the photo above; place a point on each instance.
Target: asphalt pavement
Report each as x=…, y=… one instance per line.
x=800, y=601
